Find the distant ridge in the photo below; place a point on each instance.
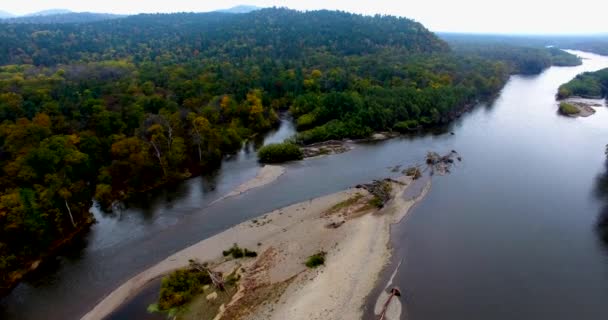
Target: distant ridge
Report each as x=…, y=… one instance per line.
x=62, y=18
x=4, y=15
x=240, y=9
x=49, y=12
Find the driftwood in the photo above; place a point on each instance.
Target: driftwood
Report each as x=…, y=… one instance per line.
x=441, y=164
x=381, y=189
x=216, y=277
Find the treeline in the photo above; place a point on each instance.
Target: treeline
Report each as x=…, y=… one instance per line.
x=591, y=43
x=586, y=85
x=520, y=56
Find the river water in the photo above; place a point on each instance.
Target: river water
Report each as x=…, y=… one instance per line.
x=510, y=234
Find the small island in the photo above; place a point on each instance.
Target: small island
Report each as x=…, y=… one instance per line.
x=573, y=108
x=580, y=95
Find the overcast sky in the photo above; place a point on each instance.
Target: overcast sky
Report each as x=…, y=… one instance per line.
x=480, y=16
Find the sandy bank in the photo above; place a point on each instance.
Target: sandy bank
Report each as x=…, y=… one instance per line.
x=266, y=175
x=277, y=285
x=585, y=106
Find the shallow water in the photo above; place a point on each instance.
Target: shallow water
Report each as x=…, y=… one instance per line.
x=510, y=233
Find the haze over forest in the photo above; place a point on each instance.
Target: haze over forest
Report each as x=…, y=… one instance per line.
x=477, y=16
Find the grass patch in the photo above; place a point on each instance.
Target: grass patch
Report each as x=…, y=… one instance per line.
x=237, y=252
x=316, y=260
x=567, y=108
x=376, y=202
x=346, y=203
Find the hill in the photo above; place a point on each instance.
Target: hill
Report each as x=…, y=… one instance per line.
x=4, y=14
x=49, y=12
x=240, y=9
x=72, y=17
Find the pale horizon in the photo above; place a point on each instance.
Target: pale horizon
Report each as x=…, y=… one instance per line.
x=517, y=17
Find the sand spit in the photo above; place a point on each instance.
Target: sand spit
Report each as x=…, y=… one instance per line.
x=277, y=284
x=266, y=175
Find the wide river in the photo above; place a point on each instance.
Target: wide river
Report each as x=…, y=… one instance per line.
x=510, y=234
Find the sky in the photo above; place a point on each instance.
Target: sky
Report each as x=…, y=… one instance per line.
x=477, y=16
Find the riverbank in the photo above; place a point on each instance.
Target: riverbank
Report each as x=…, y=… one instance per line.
x=342, y=224
x=17, y=276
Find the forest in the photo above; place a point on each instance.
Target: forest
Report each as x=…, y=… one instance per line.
x=523, y=57
x=586, y=85
x=103, y=110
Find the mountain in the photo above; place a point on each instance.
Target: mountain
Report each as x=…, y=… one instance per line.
x=240, y=9
x=47, y=12
x=4, y=14
x=71, y=17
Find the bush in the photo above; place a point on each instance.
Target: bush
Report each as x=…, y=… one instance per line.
x=236, y=252
x=376, y=202
x=405, y=126
x=279, y=152
x=180, y=287
x=567, y=108
x=316, y=260
x=335, y=130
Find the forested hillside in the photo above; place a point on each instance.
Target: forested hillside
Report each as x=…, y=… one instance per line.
x=587, y=85
x=106, y=109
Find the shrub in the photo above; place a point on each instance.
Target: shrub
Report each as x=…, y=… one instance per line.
x=237, y=252
x=181, y=286
x=279, y=152
x=376, y=202
x=316, y=260
x=405, y=126
x=567, y=108
x=335, y=130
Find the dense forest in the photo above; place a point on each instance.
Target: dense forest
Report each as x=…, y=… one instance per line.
x=521, y=56
x=106, y=109
x=586, y=85
x=591, y=43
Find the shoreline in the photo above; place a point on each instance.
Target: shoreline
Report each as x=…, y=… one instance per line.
x=266, y=175
x=34, y=264
x=285, y=238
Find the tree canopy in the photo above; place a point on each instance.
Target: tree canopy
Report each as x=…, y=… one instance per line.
x=587, y=85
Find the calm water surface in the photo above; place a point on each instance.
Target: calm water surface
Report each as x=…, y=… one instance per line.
x=511, y=234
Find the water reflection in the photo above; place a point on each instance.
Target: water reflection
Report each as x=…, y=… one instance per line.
x=601, y=191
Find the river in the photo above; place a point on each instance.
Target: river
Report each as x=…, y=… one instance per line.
x=511, y=233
